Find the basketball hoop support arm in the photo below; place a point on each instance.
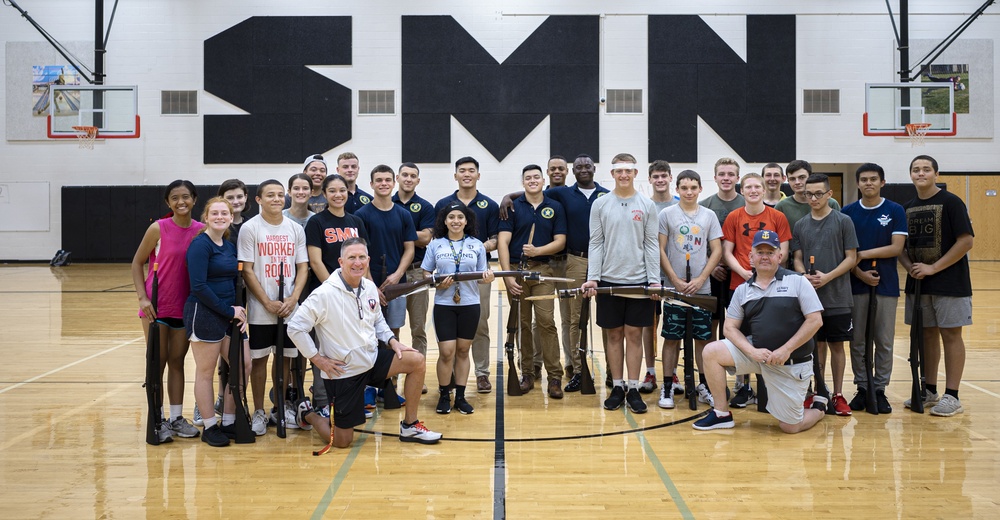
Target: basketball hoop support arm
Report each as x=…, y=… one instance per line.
x=903, y=44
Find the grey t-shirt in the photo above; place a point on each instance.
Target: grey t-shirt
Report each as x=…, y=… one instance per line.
x=722, y=208
x=826, y=240
x=624, y=243
x=688, y=234
x=795, y=210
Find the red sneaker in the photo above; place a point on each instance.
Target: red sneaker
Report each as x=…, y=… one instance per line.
x=840, y=405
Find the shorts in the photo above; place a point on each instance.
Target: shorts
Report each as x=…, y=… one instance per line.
x=946, y=312
x=173, y=323
x=452, y=322
x=203, y=324
x=836, y=328
x=673, y=323
x=348, y=394
x=617, y=311
x=263, y=339
x=786, y=384
x=395, y=313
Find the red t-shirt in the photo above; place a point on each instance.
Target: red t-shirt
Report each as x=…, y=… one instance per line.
x=740, y=228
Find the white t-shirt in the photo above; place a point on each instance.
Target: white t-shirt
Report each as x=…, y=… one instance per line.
x=270, y=247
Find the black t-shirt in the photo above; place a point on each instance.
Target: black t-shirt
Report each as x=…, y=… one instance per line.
x=934, y=226
x=327, y=231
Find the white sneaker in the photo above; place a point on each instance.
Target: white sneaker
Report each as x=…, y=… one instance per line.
x=182, y=428
x=258, y=423
x=704, y=396
x=666, y=398
x=166, y=434
x=198, y=421
x=290, y=421
x=947, y=406
x=418, y=433
x=930, y=399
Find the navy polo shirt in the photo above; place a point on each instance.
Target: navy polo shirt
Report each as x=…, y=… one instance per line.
x=357, y=200
x=487, y=213
x=548, y=218
x=577, y=208
x=423, y=215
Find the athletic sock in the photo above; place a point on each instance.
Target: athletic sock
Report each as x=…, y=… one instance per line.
x=176, y=410
x=211, y=421
x=721, y=414
x=446, y=389
x=228, y=418
x=633, y=384
x=459, y=392
x=651, y=370
x=930, y=388
x=953, y=393
x=618, y=382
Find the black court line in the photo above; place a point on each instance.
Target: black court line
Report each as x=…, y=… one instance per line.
x=499, y=449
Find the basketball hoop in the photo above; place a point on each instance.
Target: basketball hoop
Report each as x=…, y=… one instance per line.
x=917, y=132
x=87, y=136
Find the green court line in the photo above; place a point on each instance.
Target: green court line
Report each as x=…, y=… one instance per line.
x=668, y=483
x=338, y=479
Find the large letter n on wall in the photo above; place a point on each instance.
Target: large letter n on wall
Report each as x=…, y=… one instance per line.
x=259, y=65
x=692, y=72
x=447, y=73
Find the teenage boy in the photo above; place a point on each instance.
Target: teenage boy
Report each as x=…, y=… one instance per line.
x=726, y=175
x=774, y=177
x=940, y=238
x=797, y=206
x=348, y=167
x=660, y=178
x=528, y=237
x=487, y=227
x=825, y=246
x=738, y=232
x=623, y=251
x=270, y=245
x=690, y=240
x=881, y=228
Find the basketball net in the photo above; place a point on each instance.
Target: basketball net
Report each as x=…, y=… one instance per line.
x=87, y=135
x=917, y=132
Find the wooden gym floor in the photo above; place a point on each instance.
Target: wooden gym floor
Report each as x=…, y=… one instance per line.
x=72, y=414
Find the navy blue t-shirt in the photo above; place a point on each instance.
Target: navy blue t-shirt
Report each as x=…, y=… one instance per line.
x=875, y=228
x=577, y=208
x=387, y=230
x=548, y=219
x=423, y=216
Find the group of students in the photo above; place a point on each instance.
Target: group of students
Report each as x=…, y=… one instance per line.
x=335, y=247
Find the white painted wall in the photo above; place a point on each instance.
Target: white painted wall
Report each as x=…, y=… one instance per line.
x=157, y=45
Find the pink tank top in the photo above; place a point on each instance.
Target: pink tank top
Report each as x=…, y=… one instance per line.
x=172, y=275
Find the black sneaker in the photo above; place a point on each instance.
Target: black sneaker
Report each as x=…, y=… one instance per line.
x=444, y=404
x=573, y=385
x=743, y=397
x=463, y=406
x=635, y=402
x=228, y=430
x=213, y=436
x=883, y=403
x=713, y=422
x=860, y=400
x=615, y=400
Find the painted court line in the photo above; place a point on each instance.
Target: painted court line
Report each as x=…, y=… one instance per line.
x=338, y=479
x=64, y=367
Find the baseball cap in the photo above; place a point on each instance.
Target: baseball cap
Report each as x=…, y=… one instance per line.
x=766, y=237
x=313, y=158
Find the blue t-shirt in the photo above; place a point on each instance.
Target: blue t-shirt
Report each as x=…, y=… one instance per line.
x=875, y=228
x=423, y=215
x=387, y=230
x=487, y=213
x=577, y=208
x=548, y=220
x=212, y=270
x=440, y=259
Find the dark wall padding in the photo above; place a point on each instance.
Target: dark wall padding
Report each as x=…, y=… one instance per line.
x=445, y=72
x=259, y=65
x=693, y=72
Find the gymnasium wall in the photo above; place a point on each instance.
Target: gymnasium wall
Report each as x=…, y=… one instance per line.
x=502, y=81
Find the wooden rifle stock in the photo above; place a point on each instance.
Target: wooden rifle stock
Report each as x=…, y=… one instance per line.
x=871, y=405
x=397, y=290
x=237, y=385
x=586, y=378
x=916, y=351
x=279, y=361
x=154, y=379
x=513, y=319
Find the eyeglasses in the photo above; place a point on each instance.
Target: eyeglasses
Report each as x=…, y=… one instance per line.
x=818, y=195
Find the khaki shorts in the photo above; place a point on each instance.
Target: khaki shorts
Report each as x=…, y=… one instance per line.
x=786, y=384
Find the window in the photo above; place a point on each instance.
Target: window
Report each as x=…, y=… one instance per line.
x=624, y=101
x=179, y=102
x=376, y=102
x=821, y=101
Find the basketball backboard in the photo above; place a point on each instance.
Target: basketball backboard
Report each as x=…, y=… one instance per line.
x=889, y=107
x=112, y=109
